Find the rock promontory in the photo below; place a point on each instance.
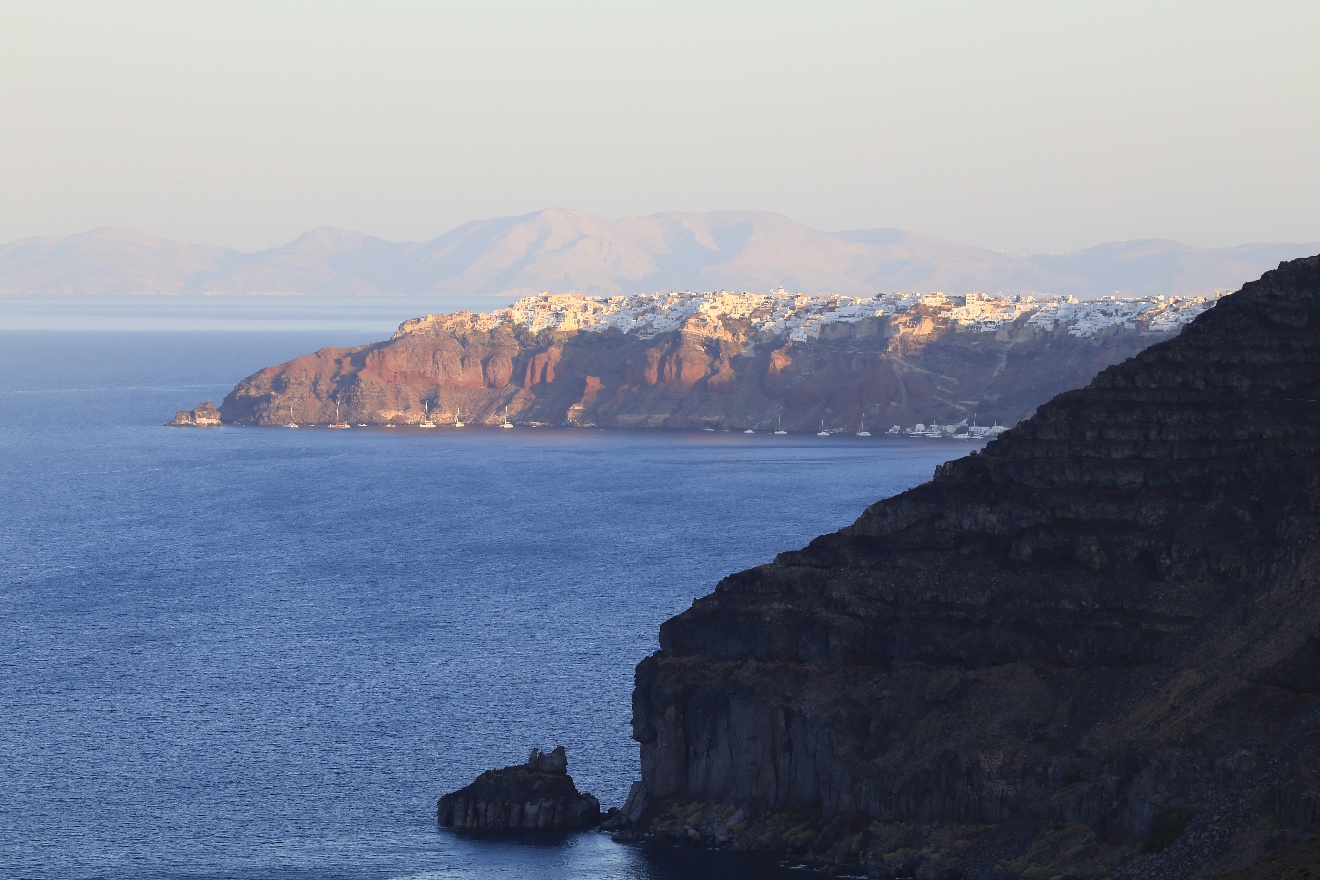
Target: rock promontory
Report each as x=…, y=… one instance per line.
x=717, y=360
x=537, y=795
x=204, y=415
x=1091, y=649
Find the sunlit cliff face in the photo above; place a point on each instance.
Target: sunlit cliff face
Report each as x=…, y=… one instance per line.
x=719, y=359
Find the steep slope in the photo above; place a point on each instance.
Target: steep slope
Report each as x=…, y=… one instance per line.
x=560, y=251
x=1093, y=647
x=685, y=360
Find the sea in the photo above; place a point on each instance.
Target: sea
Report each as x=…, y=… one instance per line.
x=257, y=653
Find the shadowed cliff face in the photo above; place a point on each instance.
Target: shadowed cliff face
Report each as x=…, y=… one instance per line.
x=1100, y=634
x=917, y=366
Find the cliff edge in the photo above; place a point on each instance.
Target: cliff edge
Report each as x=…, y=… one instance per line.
x=718, y=360
x=1093, y=647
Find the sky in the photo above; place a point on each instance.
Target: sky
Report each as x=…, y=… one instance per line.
x=1024, y=126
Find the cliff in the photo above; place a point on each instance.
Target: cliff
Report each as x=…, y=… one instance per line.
x=689, y=360
x=1093, y=647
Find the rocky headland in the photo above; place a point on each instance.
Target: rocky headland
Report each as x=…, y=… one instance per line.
x=537, y=795
x=718, y=360
x=1091, y=649
x=204, y=415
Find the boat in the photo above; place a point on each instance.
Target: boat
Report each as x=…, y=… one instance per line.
x=426, y=420
x=458, y=420
x=861, y=427
x=506, y=423
x=749, y=431
x=362, y=424
x=338, y=422
x=780, y=429
x=391, y=425
x=822, y=432
x=292, y=423
x=712, y=430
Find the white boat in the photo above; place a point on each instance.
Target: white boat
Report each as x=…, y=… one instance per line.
x=506, y=423
x=749, y=431
x=292, y=423
x=458, y=420
x=712, y=430
x=861, y=427
x=338, y=422
x=362, y=424
x=780, y=429
x=822, y=432
x=426, y=420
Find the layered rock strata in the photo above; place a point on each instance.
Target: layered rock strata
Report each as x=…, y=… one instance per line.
x=1092, y=647
x=537, y=795
x=687, y=360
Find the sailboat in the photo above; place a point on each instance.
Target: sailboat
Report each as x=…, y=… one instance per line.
x=861, y=427
x=338, y=422
x=780, y=429
x=426, y=420
x=750, y=431
x=458, y=420
x=822, y=432
x=506, y=423
x=292, y=423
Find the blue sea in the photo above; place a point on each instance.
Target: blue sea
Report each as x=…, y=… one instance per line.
x=264, y=653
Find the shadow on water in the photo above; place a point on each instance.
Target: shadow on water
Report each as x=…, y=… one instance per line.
x=633, y=861
x=677, y=863
x=624, y=861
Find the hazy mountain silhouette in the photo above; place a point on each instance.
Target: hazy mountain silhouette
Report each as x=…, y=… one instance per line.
x=573, y=251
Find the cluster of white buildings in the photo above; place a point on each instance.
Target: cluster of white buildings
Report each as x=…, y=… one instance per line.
x=960, y=431
x=801, y=317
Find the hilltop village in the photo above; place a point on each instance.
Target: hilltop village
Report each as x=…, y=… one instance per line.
x=897, y=363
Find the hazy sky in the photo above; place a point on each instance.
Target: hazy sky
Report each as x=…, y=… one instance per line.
x=1027, y=126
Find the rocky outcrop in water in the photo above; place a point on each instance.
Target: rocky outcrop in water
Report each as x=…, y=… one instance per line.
x=537, y=795
x=205, y=415
x=718, y=360
x=1093, y=647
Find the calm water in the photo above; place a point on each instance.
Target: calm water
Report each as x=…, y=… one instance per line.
x=263, y=653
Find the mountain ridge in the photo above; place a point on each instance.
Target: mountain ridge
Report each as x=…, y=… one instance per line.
x=567, y=251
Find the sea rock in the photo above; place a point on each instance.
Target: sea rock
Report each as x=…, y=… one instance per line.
x=718, y=360
x=1092, y=647
x=537, y=795
x=206, y=415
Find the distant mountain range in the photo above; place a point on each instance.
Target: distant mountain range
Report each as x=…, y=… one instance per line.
x=562, y=251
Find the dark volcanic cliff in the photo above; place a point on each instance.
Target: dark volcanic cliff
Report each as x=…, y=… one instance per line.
x=1093, y=647
x=536, y=796
x=717, y=360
